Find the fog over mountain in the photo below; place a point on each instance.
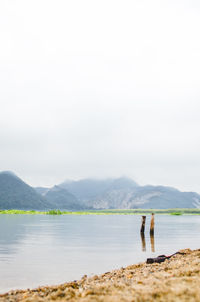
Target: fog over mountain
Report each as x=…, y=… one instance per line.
x=111, y=193
x=86, y=189
x=124, y=193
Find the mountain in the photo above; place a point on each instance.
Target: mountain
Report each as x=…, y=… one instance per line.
x=60, y=198
x=162, y=197
x=41, y=190
x=145, y=197
x=16, y=194
x=89, y=189
x=119, y=193
x=124, y=193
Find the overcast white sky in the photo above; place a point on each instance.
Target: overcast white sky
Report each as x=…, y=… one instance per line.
x=99, y=89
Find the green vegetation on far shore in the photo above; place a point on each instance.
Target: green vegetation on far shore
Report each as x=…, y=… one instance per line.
x=21, y=212
x=177, y=212
x=54, y=212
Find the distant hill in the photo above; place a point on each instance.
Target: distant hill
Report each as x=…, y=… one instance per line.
x=16, y=194
x=61, y=199
x=145, y=197
x=162, y=197
x=124, y=193
x=41, y=190
x=87, y=189
x=119, y=193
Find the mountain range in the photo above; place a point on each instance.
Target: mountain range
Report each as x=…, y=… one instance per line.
x=112, y=193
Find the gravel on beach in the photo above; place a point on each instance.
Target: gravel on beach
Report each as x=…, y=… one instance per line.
x=176, y=279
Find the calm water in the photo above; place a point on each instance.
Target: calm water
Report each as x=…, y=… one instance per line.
x=41, y=249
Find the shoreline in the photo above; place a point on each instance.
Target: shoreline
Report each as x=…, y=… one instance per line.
x=175, y=211
x=176, y=279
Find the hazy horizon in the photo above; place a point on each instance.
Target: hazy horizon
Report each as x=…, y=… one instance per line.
x=100, y=89
x=94, y=179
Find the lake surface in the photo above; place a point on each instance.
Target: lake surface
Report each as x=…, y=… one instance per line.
x=45, y=250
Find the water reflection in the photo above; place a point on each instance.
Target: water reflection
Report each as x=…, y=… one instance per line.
x=83, y=244
x=143, y=241
x=152, y=243
x=12, y=232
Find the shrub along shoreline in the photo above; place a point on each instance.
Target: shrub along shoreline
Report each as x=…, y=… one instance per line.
x=177, y=212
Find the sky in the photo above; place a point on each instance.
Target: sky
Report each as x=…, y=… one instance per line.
x=101, y=89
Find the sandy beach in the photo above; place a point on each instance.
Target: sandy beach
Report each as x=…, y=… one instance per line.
x=176, y=279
